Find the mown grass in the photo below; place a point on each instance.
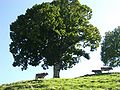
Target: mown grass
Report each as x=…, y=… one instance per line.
x=100, y=82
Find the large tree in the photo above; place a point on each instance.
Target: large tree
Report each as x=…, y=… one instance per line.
x=110, y=48
x=53, y=33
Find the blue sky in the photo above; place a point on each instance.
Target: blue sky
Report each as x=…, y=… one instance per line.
x=106, y=17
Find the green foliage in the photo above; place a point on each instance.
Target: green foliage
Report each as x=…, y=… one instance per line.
x=101, y=82
x=53, y=33
x=110, y=49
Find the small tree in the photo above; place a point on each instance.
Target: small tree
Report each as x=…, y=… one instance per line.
x=53, y=33
x=110, y=49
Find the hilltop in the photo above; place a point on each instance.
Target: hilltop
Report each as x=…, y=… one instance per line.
x=96, y=82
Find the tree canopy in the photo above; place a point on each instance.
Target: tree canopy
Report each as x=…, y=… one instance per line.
x=54, y=33
x=110, y=48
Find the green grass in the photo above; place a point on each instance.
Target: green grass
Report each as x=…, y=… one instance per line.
x=98, y=82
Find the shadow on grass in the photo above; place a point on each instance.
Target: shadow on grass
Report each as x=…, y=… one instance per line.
x=99, y=74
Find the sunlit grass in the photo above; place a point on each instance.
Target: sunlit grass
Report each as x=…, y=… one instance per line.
x=100, y=82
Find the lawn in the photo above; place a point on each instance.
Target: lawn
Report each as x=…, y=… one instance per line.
x=96, y=82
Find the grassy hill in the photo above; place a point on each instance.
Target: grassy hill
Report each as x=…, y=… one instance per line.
x=97, y=82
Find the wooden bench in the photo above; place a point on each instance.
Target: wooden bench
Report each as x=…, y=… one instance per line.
x=97, y=71
x=40, y=75
x=106, y=68
x=102, y=69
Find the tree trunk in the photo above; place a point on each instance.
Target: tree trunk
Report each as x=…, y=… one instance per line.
x=56, y=71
